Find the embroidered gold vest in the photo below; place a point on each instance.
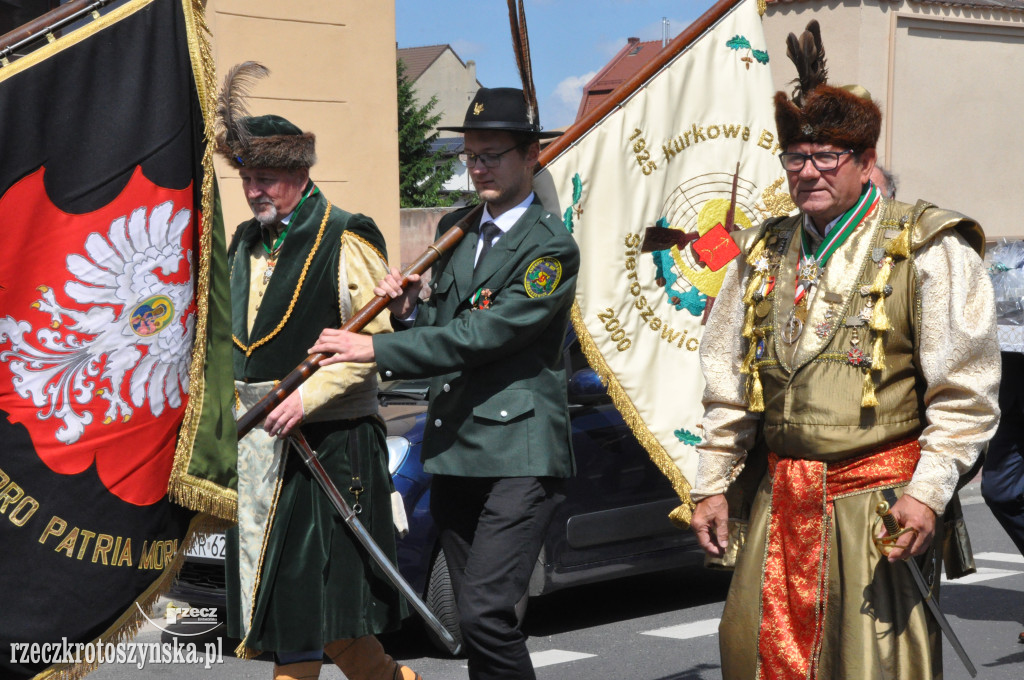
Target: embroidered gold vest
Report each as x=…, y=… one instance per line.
x=849, y=381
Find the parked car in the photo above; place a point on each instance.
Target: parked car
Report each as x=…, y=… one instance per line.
x=613, y=522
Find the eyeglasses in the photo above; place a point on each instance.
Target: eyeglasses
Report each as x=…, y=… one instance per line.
x=490, y=160
x=823, y=161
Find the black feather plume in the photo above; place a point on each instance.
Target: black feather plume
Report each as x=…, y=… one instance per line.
x=808, y=55
x=231, y=104
x=521, y=47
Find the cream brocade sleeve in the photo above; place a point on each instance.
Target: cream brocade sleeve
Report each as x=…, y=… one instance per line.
x=729, y=428
x=958, y=355
x=361, y=267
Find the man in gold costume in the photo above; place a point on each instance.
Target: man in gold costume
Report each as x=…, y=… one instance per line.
x=853, y=350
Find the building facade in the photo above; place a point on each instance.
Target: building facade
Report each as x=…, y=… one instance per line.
x=331, y=72
x=950, y=81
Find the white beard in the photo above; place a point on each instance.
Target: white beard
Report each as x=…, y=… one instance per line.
x=265, y=217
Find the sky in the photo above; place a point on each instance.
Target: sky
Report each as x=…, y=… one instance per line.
x=570, y=40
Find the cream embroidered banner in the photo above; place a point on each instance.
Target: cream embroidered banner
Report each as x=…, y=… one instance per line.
x=646, y=192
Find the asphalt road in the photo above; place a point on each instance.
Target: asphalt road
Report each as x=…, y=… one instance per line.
x=664, y=627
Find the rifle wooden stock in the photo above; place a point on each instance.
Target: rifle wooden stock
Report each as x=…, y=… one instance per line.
x=356, y=323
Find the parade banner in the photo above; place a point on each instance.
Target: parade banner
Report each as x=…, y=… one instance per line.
x=646, y=188
x=115, y=385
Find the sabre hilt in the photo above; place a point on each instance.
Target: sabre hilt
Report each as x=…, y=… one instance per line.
x=888, y=519
x=893, y=530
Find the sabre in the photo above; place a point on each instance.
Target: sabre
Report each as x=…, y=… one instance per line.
x=893, y=529
x=298, y=440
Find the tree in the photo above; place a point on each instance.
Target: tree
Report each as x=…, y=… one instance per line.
x=421, y=171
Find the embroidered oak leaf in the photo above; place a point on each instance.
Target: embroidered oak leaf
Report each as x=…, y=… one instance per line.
x=687, y=437
x=738, y=42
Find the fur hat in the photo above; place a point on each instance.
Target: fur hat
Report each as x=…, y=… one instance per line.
x=820, y=113
x=257, y=141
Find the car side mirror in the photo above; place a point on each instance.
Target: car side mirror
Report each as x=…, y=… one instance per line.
x=586, y=388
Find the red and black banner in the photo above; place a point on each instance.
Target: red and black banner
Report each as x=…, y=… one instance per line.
x=112, y=307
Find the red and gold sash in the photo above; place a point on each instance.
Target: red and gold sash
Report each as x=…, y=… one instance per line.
x=795, y=584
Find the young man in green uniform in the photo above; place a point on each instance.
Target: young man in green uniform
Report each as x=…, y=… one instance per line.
x=851, y=352
x=299, y=584
x=498, y=438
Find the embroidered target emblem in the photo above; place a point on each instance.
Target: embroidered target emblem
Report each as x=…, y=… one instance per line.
x=542, y=277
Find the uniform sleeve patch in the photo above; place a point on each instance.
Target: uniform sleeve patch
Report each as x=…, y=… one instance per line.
x=542, y=277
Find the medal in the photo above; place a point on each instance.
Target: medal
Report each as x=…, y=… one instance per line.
x=270, y=271
x=869, y=307
x=763, y=308
x=800, y=312
x=791, y=330
x=823, y=328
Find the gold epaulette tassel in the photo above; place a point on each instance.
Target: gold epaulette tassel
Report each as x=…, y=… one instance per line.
x=900, y=246
x=868, y=398
x=748, y=323
x=882, y=277
x=756, y=252
x=748, y=361
x=756, y=392
x=878, y=354
x=755, y=282
x=879, y=319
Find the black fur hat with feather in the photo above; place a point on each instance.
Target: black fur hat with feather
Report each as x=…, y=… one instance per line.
x=818, y=112
x=257, y=141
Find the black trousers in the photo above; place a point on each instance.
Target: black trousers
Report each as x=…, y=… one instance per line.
x=1002, y=480
x=491, y=530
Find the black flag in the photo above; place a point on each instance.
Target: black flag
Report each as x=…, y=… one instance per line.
x=115, y=420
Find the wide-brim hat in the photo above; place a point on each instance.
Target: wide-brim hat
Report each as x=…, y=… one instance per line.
x=501, y=109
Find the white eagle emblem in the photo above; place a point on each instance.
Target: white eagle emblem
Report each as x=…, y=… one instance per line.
x=126, y=307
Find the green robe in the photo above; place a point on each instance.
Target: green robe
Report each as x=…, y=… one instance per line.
x=313, y=583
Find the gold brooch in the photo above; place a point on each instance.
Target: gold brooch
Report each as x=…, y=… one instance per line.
x=478, y=108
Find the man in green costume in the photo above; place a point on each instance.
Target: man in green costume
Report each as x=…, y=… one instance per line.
x=498, y=438
x=299, y=584
x=852, y=351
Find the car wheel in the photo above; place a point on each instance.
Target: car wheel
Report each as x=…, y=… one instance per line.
x=441, y=600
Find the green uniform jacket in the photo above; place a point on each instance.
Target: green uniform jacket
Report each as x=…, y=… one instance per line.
x=498, y=395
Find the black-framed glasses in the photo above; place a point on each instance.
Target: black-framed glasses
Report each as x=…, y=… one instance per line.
x=490, y=160
x=823, y=161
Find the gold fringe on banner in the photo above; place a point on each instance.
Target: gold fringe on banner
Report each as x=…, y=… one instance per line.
x=125, y=627
x=184, y=489
x=680, y=516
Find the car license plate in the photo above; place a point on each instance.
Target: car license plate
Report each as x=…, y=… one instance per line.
x=210, y=547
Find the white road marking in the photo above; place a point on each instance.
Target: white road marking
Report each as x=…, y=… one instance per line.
x=1001, y=557
x=983, y=574
x=554, y=656
x=686, y=631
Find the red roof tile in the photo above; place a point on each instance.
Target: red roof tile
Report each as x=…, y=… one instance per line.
x=623, y=66
x=418, y=59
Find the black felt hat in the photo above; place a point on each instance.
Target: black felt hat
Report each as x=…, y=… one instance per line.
x=501, y=109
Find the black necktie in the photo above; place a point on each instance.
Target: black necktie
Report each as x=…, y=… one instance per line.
x=488, y=232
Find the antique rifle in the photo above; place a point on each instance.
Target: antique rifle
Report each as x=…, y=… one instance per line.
x=357, y=322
